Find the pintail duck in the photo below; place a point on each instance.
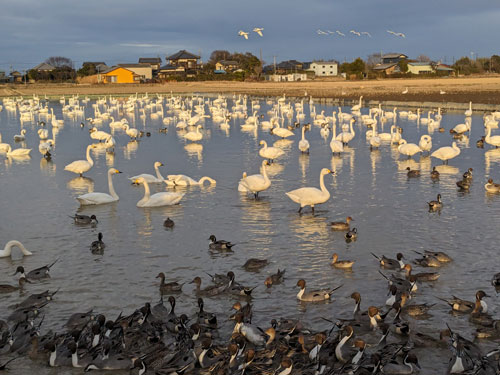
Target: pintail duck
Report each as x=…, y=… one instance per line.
x=85, y=220
x=275, y=279
x=207, y=319
x=342, y=264
x=97, y=247
x=391, y=264
x=491, y=333
x=341, y=225
x=236, y=288
x=402, y=285
x=435, y=205
x=253, y=334
x=220, y=245
x=495, y=281
x=427, y=260
x=460, y=305
x=434, y=174
x=254, y=264
x=439, y=255
x=409, y=366
x=412, y=172
x=286, y=366
x=351, y=235
x=491, y=187
x=314, y=296
x=246, y=311
x=210, y=291
x=36, y=274
x=480, y=142
x=168, y=287
x=340, y=349
x=464, y=184
x=37, y=300
x=168, y=223
x=6, y=288
x=468, y=174
x=423, y=276
x=414, y=310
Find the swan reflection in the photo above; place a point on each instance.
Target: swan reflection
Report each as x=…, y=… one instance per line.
x=490, y=157
x=130, y=149
x=81, y=185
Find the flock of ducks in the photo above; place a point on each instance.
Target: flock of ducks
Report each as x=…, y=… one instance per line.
x=154, y=339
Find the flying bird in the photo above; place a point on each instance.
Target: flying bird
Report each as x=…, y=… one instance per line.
x=366, y=33
x=355, y=32
x=243, y=34
x=341, y=34
x=330, y=32
x=258, y=30
x=396, y=34
x=321, y=32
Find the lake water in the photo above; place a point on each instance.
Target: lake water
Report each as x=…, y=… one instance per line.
x=390, y=213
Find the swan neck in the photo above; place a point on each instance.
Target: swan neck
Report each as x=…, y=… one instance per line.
x=322, y=184
x=89, y=158
x=146, y=191
x=112, y=191
x=264, y=172
x=8, y=248
x=158, y=173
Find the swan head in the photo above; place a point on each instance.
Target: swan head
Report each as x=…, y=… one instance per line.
x=158, y=164
x=114, y=171
x=326, y=171
x=23, y=132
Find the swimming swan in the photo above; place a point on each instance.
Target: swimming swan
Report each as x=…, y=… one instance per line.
x=256, y=182
x=183, y=180
x=18, y=151
x=159, y=199
x=194, y=136
x=149, y=177
x=310, y=196
x=7, y=251
x=304, y=143
x=335, y=145
x=101, y=198
x=81, y=166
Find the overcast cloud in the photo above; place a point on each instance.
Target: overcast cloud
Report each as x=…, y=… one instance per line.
x=117, y=31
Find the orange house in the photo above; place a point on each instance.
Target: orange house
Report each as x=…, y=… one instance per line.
x=118, y=74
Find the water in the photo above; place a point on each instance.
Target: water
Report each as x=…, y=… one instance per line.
x=390, y=212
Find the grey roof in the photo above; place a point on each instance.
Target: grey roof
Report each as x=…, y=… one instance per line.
x=134, y=65
x=393, y=55
x=443, y=67
x=170, y=67
x=228, y=62
x=384, y=66
x=418, y=63
x=150, y=60
x=183, y=54
x=113, y=68
x=324, y=62
x=44, y=66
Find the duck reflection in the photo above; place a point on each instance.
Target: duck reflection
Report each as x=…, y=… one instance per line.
x=81, y=185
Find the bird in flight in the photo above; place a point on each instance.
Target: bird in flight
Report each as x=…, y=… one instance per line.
x=341, y=34
x=243, y=34
x=258, y=30
x=366, y=33
x=355, y=32
x=396, y=34
x=321, y=32
x=330, y=32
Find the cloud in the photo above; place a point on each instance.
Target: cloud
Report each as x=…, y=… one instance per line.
x=139, y=45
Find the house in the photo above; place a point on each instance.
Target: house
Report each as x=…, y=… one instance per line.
x=443, y=69
x=143, y=70
x=226, y=65
x=324, y=68
x=15, y=77
x=183, y=59
x=166, y=71
x=389, y=68
x=284, y=67
x=44, y=67
x=389, y=58
x=291, y=77
x=420, y=67
x=119, y=74
x=155, y=62
x=3, y=78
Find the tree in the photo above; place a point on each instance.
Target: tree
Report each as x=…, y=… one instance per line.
x=465, y=66
x=423, y=58
x=403, y=65
x=356, y=67
x=374, y=59
x=495, y=63
x=87, y=70
x=60, y=61
x=219, y=55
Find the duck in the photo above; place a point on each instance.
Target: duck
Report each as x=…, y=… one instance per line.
x=468, y=174
x=340, y=348
x=311, y=196
x=270, y=153
x=492, y=187
x=97, y=247
x=437, y=204
x=314, y=296
x=85, y=219
x=168, y=223
x=7, y=250
x=439, y=255
x=342, y=264
x=211, y=290
x=495, y=281
x=391, y=264
x=166, y=288
x=460, y=305
x=254, y=264
x=351, y=235
x=81, y=166
x=434, y=174
x=463, y=184
x=37, y=273
x=17, y=152
x=304, y=143
x=341, y=225
x=95, y=198
x=446, y=153
x=412, y=172
x=219, y=244
x=183, y=180
x=427, y=261
x=424, y=276
x=6, y=288
x=149, y=177
x=274, y=279
x=159, y=199
x=414, y=310
x=255, y=183
x=409, y=366
x=480, y=142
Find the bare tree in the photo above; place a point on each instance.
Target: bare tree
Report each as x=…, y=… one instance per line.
x=60, y=62
x=373, y=59
x=423, y=58
x=219, y=55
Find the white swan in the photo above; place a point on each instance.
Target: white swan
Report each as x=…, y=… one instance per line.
x=494, y=141
x=462, y=128
x=304, y=143
x=183, y=180
x=20, y=137
x=446, y=153
x=81, y=166
x=43, y=134
x=408, y=149
x=159, y=199
x=346, y=137
x=468, y=113
x=194, y=136
x=310, y=196
x=281, y=132
x=425, y=143
x=45, y=147
x=270, y=153
x=7, y=251
x=101, y=198
x=131, y=132
x=375, y=140
x=335, y=145
x=387, y=136
x=18, y=151
x=98, y=134
x=255, y=183
x=149, y=177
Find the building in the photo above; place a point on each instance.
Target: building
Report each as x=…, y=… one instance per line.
x=443, y=69
x=284, y=67
x=389, y=58
x=167, y=71
x=44, y=67
x=389, y=68
x=324, y=68
x=226, y=65
x=119, y=74
x=185, y=59
x=15, y=77
x=144, y=71
x=155, y=62
x=291, y=77
x=420, y=68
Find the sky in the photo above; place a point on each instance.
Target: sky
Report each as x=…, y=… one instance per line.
x=121, y=31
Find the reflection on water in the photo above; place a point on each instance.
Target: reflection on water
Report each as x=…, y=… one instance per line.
x=447, y=169
x=48, y=167
x=491, y=156
x=81, y=185
x=274, y=169
x=304, y=165
x=284, y=144
x=195, y=150
x=130, y=149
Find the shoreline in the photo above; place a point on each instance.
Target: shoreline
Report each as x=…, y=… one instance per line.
x=479, y=90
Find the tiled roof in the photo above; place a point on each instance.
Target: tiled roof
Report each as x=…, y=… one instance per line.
x=150, y=60
x=182, y=54
x=384, y=66
x=44, y=66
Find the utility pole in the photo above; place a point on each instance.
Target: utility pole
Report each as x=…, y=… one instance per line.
x=274, y=64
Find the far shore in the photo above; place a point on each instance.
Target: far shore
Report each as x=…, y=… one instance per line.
x=484, y=90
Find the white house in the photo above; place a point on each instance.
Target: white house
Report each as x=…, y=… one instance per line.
x=420, y=67
x=324, y=68
x=292, y=77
